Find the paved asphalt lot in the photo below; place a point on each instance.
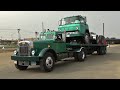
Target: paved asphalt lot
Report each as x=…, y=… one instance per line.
x=95, y=67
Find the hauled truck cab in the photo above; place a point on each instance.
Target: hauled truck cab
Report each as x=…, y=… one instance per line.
x=76, y=28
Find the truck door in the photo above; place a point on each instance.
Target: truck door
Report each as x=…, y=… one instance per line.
x=82, y=26
x=60, y=44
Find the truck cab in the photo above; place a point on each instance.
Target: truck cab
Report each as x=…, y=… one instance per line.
x=49, y=46
x=51, y=39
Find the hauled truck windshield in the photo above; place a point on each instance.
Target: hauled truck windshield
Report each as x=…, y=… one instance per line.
x=70, y=20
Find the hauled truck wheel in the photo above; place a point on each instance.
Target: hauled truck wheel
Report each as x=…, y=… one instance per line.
x=80, y=56
x=87, y=38
x=21, y=67
x=47, y=62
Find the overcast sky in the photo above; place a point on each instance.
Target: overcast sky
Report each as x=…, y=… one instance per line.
x=31, y=21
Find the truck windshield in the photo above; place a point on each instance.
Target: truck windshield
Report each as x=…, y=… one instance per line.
x=47, y=37
x=68, y=20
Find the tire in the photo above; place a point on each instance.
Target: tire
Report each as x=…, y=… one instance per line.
x=102, y=51
x=21, y=67
x=87, y=38
x=99, y=52
x=80, y=56
x=47, y=62
x=105, y=52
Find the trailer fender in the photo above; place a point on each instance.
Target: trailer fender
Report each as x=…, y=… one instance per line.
x=42, y=53
x=77, y=51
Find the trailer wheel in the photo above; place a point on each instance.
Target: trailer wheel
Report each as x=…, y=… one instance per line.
x=21, y=67
x=47, y=62
x=105, y=51
x=102, y=51
x=80, y=56
x=99, y=51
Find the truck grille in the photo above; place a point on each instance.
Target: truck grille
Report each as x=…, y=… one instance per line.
x=24, y=49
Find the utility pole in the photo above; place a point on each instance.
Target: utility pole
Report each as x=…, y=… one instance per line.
x=19, y=37
x=103, y=29
x=43, y=30
x=36, y=34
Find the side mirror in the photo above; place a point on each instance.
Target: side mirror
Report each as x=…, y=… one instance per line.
x=85, y=19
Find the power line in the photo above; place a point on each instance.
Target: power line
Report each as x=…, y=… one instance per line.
x=8, y=29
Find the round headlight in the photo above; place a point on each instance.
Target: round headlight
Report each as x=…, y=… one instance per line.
x=33, y=52
x=15, y=52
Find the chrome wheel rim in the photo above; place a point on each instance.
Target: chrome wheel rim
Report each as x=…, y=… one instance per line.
x=49, y=62
x=83, y=55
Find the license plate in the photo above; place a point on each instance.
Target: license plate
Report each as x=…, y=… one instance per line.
x=23, y=63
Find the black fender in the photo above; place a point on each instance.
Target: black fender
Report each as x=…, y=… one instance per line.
x=45, y=50
x=79, y=50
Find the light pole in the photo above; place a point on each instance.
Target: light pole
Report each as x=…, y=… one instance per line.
x=103, y=29
x=36, y=34
x=19, y=37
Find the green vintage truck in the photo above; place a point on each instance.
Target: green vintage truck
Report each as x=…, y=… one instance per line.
x=76, y=28
x=53, y=46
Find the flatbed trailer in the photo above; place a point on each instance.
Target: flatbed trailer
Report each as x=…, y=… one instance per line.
x=90, y=48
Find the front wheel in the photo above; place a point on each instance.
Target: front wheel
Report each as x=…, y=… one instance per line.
x=47, y=62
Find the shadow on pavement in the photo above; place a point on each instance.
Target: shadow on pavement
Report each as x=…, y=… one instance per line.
x=73, y=66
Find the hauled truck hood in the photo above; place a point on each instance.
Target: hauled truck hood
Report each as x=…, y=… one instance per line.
x=69, y=27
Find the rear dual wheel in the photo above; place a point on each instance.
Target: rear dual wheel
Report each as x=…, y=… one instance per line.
x=102, y=51
x=80, y=56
